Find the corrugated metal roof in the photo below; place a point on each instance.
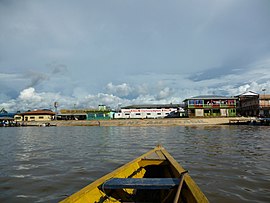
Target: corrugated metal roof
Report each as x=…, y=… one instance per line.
x=204, y=97
x=7, y=115
x=6, y=118
x=248, y=93
x=71, y=114
x=152, y=106
x=38, y=112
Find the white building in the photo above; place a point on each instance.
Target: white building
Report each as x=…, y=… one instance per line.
x=151, y=111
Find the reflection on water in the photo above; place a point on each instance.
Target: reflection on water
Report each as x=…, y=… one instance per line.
x=229, y=163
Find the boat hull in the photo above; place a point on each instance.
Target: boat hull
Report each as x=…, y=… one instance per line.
x=153, y=177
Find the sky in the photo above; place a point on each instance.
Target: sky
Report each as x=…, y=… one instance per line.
x=85, y=53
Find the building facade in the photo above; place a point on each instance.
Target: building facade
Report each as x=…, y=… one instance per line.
x=210, y=106
x=248, y=104
x=264, y=105
x=253, y=104
x=5, y=115
x=37, y=115
x=102, y=113
x=150, y=111
x=6, y=119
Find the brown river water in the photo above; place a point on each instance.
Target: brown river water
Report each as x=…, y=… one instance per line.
x=45, y=164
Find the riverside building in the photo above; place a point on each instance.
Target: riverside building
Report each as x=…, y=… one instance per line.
x=102, y=113
x=36, y=115
x=254, y=104
x=210, y=106
x=151, y=111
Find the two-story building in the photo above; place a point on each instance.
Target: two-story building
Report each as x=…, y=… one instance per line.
x=264, y=105
x=254, y=104
x=210, y=106
x=248, y=104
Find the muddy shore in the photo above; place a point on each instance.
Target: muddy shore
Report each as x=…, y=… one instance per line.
x=138, y=122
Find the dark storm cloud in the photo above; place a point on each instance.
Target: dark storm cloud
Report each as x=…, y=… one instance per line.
x=215, y=73
x=36, y=78
x=57, y=68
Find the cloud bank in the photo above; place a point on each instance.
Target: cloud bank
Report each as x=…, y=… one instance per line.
x=163, y=92
x=85, y=53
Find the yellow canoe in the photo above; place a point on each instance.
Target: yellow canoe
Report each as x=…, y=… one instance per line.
x=153, y=177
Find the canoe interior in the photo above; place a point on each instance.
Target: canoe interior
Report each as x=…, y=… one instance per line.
x=160, y=170
x=157, y=163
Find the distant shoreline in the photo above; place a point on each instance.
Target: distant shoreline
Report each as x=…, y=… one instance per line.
x=138, y=122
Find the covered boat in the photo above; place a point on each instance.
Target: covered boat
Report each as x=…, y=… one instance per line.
x=153, y=177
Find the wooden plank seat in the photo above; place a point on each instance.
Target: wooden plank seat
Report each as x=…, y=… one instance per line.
x=141, y=183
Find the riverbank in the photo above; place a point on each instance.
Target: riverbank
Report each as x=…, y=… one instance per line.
x=138, y=122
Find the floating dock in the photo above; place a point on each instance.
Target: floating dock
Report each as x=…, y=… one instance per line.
x=250, y=121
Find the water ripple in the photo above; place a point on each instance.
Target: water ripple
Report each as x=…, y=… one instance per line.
x=229, y=163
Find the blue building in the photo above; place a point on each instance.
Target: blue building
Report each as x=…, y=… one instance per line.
x=6, y=118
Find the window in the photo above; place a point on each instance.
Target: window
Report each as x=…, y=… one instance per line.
x=137, y=114
x=158, y=114
x=216, y=102
x=127, y=114
x=148, y=114
x=40, y=117
x=231, y=102
x=32, y=117
x=199, y=102
x=100, y=115
x=216, y=111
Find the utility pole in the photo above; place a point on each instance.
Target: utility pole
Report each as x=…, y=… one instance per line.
x=264, y=101
x=55, y=106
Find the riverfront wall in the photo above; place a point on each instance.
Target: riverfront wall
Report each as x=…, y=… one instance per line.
x=137, y=122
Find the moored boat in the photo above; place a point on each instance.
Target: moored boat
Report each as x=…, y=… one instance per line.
x=153, y=177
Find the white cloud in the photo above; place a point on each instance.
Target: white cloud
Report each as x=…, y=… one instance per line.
x=164, y=93
x=92, y=101
x=165, y=88
x=31, y=99
x=121, y=90
x=30, y=95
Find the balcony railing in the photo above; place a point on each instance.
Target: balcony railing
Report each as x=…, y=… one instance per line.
x=205, y=106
